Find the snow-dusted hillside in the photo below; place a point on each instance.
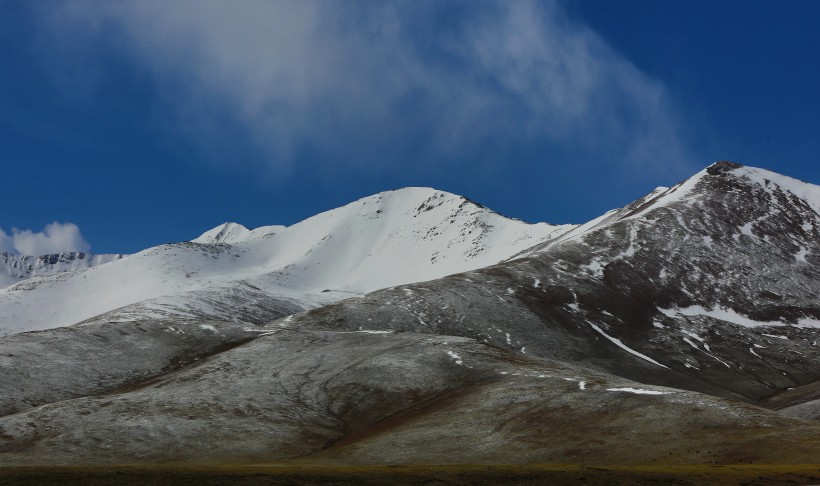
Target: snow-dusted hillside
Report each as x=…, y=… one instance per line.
x=15, y=268
x=395, y=237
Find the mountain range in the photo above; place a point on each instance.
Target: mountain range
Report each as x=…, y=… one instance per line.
x=15, y=268
x=416, y=326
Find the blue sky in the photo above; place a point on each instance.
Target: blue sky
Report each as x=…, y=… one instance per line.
x=149, y=122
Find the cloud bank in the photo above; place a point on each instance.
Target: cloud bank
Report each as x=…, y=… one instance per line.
x=373, y=81
x=55, y=238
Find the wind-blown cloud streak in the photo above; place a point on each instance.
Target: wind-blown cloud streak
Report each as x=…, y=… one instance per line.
x=378, y=81
x=55, y=238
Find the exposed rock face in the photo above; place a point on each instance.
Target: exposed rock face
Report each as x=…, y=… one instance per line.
x=669, y=331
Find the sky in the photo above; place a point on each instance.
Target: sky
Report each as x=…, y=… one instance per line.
x=128, y=124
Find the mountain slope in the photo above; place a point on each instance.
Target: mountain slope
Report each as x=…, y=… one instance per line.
x=396, y=237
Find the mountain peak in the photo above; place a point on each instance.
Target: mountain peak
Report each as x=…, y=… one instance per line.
x=722, y=166
x=222, y=233
x=231, y=233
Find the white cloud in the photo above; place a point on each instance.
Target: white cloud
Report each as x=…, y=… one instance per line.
x=55, y=238
x=368, y=80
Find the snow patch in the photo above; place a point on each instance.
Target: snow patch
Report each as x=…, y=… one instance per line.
x=633, y=236
x=721, y=314
x=456, y=357
x=809, y=323
x=695, y=336
x=690, y=343
x=623, y=346
x=595, y=267
x=638, y=391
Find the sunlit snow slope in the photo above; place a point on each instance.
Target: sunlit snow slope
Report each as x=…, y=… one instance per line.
x=395, y=237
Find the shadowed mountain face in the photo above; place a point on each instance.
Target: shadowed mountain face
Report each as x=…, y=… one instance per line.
x=658, y=333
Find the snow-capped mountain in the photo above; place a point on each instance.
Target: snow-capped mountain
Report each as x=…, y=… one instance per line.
x=711, y=285
x=395, y=237
x=14, y=268
x=682, y=328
